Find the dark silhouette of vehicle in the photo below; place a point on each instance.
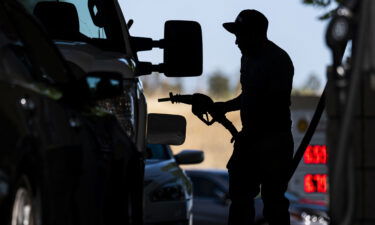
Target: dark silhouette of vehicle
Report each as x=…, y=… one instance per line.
x=62, y=159
x=93, y=35
x=168, y=191
x=211, y=202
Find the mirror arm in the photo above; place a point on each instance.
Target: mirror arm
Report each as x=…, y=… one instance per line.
x=159, y=44
x=146, y=68
x=176, y=158
x=145, y=44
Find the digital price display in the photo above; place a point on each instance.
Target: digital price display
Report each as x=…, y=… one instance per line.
x=315, y=154
x=315, y=183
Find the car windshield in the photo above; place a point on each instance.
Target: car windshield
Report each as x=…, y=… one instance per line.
x=91, y=21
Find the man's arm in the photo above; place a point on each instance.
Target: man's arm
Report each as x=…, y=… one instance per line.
x=231, y=105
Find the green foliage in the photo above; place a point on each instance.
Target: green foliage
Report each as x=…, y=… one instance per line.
x=218, y=85
x=312, y=83
x=156, y=85
x=167, y=87
x=321, y=3
x=327, y=15
x=311, y=86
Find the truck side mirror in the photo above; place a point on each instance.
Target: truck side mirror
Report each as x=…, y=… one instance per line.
x=187, y=157
x=166, y=129
x=182, y=44
x=183, y=55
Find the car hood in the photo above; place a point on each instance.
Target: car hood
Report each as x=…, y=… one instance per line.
x=162, y=171
x=93, y=59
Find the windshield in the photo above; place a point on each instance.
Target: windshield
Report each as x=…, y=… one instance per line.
x=91, y=21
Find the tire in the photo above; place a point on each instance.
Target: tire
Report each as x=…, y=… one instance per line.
x=25, y=207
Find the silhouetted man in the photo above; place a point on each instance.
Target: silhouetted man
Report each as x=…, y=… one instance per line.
x=263, y=150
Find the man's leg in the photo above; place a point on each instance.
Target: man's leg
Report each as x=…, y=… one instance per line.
x=274, y=178
x=242, y=191
x=275, y=204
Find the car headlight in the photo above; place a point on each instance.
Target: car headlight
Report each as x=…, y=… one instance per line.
x=169, y=192
x=123, y=107
x=126, y=113
x=310, y=219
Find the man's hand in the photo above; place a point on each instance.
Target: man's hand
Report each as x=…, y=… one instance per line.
x=219, y=108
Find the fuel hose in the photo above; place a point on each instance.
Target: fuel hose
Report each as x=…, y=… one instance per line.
x=309, y=134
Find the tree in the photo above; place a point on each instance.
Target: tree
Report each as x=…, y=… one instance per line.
x=167, y=87
x=321, y=3
x=151, y=83
x=311, y=86
x=218, y=85
x=312, y=83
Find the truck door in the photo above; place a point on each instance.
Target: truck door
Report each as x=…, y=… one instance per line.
x=34, y=77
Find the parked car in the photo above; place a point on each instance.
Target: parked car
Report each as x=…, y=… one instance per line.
x=62, y=159
x=167, y=189
x=211, y=202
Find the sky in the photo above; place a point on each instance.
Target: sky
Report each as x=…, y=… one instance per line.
x=293, y=26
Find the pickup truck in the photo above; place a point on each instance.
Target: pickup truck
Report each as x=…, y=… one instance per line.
x=93, y=35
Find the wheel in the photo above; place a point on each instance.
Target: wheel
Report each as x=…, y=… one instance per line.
x=25, y=210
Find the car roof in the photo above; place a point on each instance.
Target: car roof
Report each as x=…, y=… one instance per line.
x=207, y=171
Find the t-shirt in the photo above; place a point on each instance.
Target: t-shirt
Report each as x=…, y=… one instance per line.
x=266, y=81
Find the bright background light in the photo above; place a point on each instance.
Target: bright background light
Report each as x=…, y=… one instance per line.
x=293, y=26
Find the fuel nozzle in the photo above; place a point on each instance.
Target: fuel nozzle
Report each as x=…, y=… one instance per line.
x=171, y=98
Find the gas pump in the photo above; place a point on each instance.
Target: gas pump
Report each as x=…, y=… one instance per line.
x=351, y=113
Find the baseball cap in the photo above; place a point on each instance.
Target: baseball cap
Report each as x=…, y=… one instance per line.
x=248, y=20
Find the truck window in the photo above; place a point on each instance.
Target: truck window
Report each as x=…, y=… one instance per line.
x=91, y=21
x=86, y=23
x=34, y=49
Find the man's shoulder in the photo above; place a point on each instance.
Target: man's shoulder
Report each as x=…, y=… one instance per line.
x=274, y=48
x=279, y=54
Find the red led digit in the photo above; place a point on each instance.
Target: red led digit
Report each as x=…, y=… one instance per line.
x=309, y=184
x=315, y=183
x=321, y=181
x=324, y=154
x=315, y=154
x=308, y=156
